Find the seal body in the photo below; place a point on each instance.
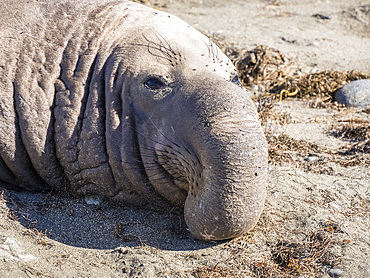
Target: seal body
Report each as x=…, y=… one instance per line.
x=115, y=99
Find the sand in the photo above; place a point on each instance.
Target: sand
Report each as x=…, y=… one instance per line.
x=316, y=219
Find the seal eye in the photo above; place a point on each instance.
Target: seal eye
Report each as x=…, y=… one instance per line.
x=235, y=79
x=154, y=83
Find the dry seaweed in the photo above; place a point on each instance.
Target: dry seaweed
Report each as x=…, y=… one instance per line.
x=302, y=257
x=359, y=134
x=282, y=146
x=263, y=65
x=286, y=150
x=287, y=258
x=212, y=271
x=264, y=108
x=281, y=77
x=266, y=112
x=352, y=131
x=322, y=85
x=40, y=237
x=355, y=148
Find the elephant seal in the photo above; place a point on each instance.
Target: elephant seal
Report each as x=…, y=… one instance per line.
x=116, y=99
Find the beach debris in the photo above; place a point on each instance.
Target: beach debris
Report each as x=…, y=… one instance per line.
x=321, y=16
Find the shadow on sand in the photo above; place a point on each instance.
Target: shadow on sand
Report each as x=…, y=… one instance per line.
x=104, y=226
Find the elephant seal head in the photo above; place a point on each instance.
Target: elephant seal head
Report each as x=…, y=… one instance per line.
x=182, y=128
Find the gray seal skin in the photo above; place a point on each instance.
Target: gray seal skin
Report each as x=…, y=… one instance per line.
x=115, y=99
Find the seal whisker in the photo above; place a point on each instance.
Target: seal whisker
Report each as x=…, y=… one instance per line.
x=169, y=48
x=149, y=47
x=161, y=47
x=168, y=139
x=164, y=49
x=151, y=139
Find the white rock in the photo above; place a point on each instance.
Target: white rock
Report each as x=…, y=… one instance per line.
x=12, y=250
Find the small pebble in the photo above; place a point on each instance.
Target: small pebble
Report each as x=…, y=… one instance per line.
x=355, y=93
x=311, y=158
x=255, y=91
x=335, y=272
x=93, y=200
x=336, y=206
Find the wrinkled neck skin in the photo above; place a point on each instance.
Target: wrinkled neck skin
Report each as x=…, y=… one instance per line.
x=195, y=136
